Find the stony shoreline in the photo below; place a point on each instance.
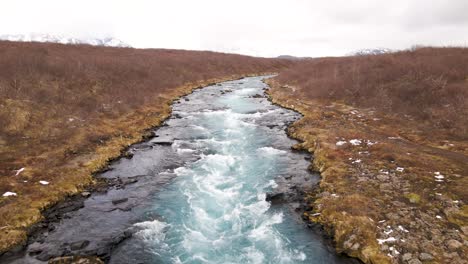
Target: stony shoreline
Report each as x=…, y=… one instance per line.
x=292, y=196
x=83, y=167
x=52, y=217
x=373, y=197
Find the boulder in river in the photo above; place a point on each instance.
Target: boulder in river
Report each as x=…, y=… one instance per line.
x=275, y=198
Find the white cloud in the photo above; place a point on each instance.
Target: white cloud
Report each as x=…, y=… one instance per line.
x=255, y=27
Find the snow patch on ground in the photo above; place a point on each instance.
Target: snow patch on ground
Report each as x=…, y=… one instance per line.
x=385, y=240
x=438, y=175
x=341, y=143
x=355, y=142
x=19, y=171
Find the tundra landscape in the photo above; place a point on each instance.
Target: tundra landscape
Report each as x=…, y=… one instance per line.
x=80, y=106
x=217, y=133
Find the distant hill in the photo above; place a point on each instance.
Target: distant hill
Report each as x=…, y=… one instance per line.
x=107, y=42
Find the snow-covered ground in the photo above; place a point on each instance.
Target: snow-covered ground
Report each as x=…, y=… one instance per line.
x=373, y=51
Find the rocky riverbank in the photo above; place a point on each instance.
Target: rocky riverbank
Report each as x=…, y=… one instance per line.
x=108, y=220
x=20, y=214
x=386, y=194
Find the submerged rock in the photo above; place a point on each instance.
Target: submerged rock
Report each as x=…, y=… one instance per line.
x=119, y=201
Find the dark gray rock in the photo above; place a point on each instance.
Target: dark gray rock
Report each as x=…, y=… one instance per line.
x=119, y=201
x=275, y=197
x=44, y=256
x=79, y=245
x=406, y=257
x=36, y=248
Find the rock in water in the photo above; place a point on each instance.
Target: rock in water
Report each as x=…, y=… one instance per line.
x=119, y=201
x=79, y=245
x=275, y=198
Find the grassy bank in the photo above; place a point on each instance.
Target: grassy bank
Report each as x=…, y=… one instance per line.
x=65, y=111
x=388, y=134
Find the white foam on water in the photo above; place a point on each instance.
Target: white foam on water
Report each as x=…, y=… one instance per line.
x=254, y=115
x=258, y=208
x=185, y=151
x=223, y=215
x=202, y=217
x=215, y=142
x=182, y=171
x=265, y=231
x=207, y=185
x=270, y=151
x=272, y=184
x=217, y=162
x=234, y=215
x=211, y=113
x=152, y=231
x=197, y=127
x=231, y=131
x=246, y=91
x=199, y=257
x=254, y=256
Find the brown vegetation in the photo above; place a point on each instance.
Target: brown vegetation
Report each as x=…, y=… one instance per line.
x=405, y=181
x=66, y=110
x=427, y=84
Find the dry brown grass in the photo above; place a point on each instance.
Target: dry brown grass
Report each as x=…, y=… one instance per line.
x=357, y=201
x=428, y=84
x=66, y=110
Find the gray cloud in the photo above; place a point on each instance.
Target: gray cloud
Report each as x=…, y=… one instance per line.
x=254, y=27
x=436, y=13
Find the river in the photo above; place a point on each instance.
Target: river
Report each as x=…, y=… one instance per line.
x=196, y=192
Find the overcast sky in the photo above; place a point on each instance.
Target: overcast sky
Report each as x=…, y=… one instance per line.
x=254, y=27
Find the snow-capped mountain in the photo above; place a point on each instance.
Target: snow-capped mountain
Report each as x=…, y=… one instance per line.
x=108, y=42
x=374, y=51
